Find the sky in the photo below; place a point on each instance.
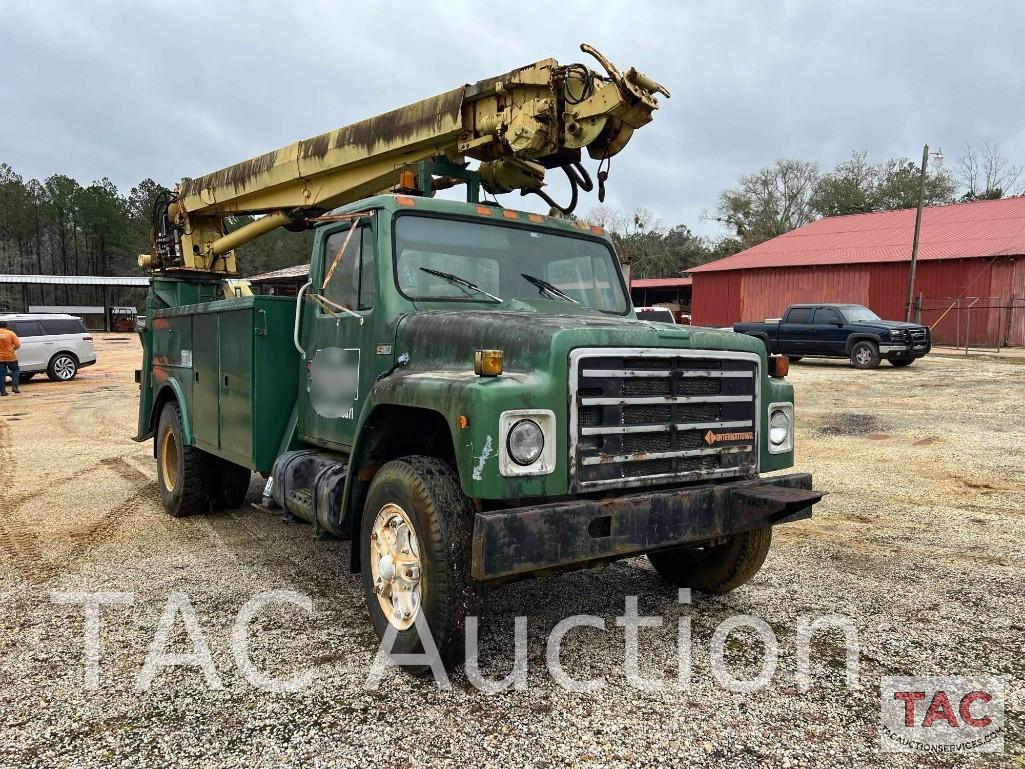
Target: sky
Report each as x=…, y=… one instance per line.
x=165, y=90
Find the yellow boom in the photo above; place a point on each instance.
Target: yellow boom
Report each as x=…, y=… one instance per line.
x=516, y=124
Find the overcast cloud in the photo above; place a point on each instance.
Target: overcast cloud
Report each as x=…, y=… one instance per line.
x=172, y=89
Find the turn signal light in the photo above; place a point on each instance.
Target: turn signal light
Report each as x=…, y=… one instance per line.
x=407, y=181
x=779, y=366
x=487, y=362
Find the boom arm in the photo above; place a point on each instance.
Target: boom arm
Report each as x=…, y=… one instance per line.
x=517, y=124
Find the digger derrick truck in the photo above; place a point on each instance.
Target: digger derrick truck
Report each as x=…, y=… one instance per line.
x=460, y=388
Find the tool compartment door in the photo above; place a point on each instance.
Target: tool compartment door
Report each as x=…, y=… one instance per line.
x=235, y=384
x=205, y=391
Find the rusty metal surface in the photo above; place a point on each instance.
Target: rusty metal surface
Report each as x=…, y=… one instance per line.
x=518, y=117
x=579, y=533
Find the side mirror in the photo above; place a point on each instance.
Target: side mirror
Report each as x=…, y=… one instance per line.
x=837, y=322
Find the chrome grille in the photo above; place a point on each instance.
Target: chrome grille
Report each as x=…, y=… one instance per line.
x=648, y=416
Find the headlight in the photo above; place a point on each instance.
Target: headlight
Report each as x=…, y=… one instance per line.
x=526, y=442
x=781, y=428
x=896, y=333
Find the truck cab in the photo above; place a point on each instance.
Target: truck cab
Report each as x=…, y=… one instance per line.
x=465, y=391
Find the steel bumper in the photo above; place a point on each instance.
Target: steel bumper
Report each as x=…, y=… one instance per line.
x=583, y=532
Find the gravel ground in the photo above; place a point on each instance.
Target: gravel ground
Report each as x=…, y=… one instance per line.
x=919, y=544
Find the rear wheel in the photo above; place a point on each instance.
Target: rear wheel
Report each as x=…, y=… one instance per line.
x=415, y=557
x=26, y=377
x=717, y=569
x=902, y=362
x=230, y=483
x=865, y=354
x=183, y=472
x=63, y=367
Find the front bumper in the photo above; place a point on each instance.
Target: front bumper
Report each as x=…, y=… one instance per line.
x=897, y=349
x=586, y=532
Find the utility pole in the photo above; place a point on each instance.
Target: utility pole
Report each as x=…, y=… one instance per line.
x=918, y=229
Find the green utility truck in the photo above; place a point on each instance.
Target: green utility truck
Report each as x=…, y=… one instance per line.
x=461, y=389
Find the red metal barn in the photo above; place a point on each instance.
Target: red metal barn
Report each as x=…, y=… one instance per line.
x=971, y=271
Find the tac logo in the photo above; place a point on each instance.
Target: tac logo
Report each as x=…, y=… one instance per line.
x=711, y=437
x=942, y=714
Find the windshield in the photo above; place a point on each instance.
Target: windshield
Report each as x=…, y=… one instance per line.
x=507, y=262
x=855, y=312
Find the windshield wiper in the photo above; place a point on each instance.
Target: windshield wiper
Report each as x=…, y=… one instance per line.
x=462, y=282
x=544, y=287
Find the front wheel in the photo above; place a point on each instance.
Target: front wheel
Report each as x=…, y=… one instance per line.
x=63, y=367
x=415, y=557
x=183, y=472
x=716, y=569
x=865, y=354
x=901, y=363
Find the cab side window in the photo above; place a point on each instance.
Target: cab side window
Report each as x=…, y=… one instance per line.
x=349, y=277
x=799, y=315
x=824, y=315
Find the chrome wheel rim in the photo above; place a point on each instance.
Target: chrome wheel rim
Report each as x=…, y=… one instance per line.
x=864, y=355
x=395, y=566
x=64, y=367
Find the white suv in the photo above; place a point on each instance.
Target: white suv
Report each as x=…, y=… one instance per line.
x=58, y=344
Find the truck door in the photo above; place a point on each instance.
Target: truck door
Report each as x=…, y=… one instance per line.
x=796, y=332
x=829, y=336
x=339, y=361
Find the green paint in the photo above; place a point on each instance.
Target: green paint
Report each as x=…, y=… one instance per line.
x=265, y=408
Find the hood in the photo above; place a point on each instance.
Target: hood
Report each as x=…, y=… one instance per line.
x=885, y=324
x=530, y=340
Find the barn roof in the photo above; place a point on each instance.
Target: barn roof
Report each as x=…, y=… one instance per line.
x=957, y=231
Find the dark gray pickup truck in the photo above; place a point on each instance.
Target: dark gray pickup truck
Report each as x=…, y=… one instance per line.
x=841, y=331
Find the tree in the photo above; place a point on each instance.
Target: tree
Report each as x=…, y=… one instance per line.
x=15, y=218
x=900, y=181
x=771, y=201
x=856, y=186
x=104, y=222
x=985, y=174
x=654, y=251
x=850, y=188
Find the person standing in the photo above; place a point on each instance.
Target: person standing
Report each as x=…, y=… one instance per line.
x=9, y=344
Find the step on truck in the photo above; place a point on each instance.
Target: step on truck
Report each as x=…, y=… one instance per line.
x=461, y=389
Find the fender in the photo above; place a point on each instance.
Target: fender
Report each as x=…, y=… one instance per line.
x=765, y=340
x=858, y=337
x=357, y=481
x=387, y=393
x=172, y=389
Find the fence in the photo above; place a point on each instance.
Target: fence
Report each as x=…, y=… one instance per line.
x=973, y=322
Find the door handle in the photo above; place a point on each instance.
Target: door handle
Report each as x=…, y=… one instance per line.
x=225, y=380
